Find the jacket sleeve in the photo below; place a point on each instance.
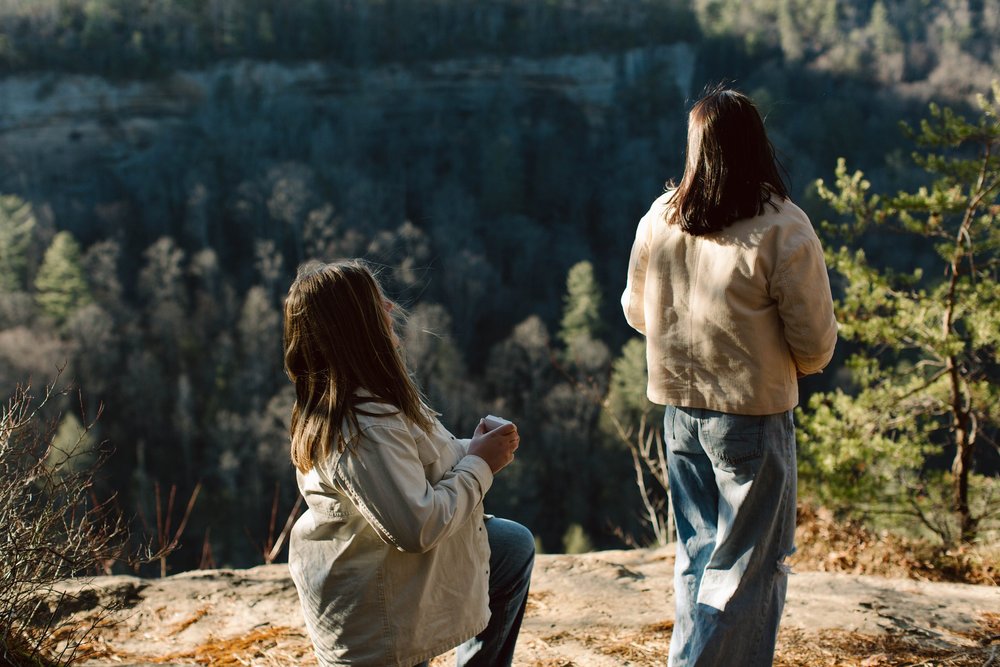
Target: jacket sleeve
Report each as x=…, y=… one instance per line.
x=385, y=479
x=801, y=288
x=635, y=283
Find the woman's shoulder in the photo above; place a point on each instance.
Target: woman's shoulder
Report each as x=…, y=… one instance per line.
x=657, y=213
x=661, y=203
x=793, y=224
x=377, y=423
x=780, y=229
x=781, y=218
x=373, y=413
x=784, y=232
x=789, y=211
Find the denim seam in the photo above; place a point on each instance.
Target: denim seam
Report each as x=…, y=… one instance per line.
x=503, y=620
x=762, y=622
x=778, y=557
x=755, y=648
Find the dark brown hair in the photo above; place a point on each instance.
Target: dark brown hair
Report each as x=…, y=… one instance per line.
x=339, y=339
x=731, y=170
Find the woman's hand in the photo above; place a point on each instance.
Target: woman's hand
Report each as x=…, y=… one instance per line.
x=496, y=447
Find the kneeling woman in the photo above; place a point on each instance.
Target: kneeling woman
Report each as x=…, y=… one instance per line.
x=393, y=561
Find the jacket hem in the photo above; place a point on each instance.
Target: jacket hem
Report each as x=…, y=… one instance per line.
x=443, y=646
x=410, y=660
x=720, y=406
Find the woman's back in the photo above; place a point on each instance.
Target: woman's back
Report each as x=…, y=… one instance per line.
x=733, y=316
x=379, y=581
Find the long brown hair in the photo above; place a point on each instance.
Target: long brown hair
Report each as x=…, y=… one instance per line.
x=338, y=340
x=731, y=170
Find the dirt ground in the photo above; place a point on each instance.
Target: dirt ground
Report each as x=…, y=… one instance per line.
x=608, y=608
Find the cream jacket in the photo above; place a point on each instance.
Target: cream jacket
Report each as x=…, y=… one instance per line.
x=391, y=560
x=730, y=318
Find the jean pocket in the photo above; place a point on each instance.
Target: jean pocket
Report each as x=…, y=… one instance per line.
x=669, y=413
x=734, y=442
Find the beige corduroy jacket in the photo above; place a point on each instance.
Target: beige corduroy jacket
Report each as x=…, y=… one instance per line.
x=731, y=319
x=391, y=560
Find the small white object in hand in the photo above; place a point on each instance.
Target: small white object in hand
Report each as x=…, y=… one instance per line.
x=494, y=422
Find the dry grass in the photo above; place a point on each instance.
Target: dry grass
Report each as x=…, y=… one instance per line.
x=828, y=544
x=797, y=648
x=537, y=602
x=988, y=631
x=650, y=642
x=839, y=648
x=265, y=647
x=647, y=647
x=188, y=622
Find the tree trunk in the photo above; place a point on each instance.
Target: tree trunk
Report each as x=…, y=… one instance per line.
x=960, y=468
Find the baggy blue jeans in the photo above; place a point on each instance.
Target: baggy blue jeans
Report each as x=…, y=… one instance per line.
x=733, y=488
x=512, y=556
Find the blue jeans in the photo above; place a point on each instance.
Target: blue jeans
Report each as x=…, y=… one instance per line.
x=732, y=485
x=512, y=555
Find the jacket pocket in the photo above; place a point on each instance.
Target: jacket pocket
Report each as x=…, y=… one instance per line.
x=426, y=450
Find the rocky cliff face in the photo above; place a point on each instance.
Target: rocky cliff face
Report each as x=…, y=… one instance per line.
x=56, y=122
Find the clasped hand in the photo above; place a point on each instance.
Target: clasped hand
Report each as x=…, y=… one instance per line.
x=496, y=446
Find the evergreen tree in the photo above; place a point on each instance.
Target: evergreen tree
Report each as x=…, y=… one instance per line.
x=61, y=286
x=828, y=30
x=886, y=47
x=884, y=36
x=927, y=378
x=788, y=31
x=16, y=224
x=581, y=313
x=576, y=541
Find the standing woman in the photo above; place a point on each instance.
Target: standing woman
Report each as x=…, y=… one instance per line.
x=393, y=561
x=727, y=281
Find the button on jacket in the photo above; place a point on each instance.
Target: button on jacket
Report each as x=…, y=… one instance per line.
x=730, y=318
x=391, y=559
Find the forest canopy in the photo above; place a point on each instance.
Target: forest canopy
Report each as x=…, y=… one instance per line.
x=165, y=167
